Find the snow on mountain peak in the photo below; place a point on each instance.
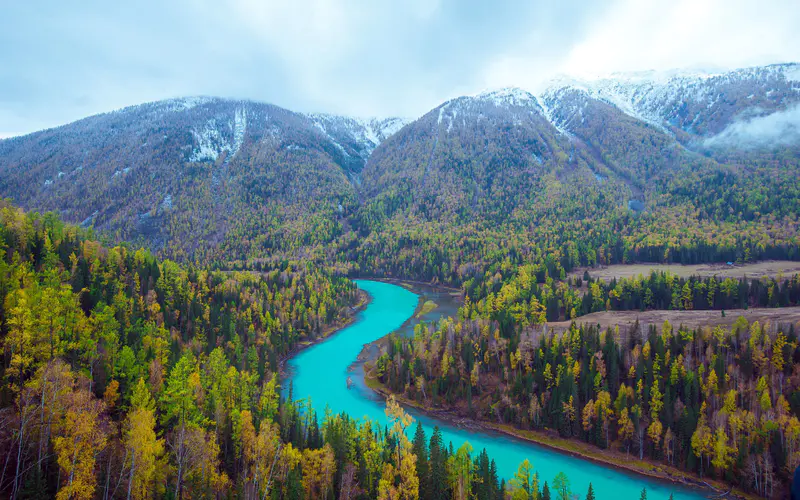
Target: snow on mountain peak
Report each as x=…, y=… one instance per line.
x=363, y=135
x=509, y=96
x=662, y=97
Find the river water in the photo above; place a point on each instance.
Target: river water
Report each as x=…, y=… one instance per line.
x=320, y=373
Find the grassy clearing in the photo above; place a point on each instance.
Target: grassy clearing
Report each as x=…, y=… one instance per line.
x=690, y=319
x=770, y=268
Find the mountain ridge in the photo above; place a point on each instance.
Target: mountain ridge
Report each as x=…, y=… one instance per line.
x=201, y=176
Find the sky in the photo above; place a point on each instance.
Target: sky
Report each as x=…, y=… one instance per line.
x=61, y=61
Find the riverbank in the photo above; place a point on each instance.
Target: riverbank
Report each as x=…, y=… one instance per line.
x=409, y=284
x=573, y=447
x=347, y=320
x=319, y=374
x=547, y=439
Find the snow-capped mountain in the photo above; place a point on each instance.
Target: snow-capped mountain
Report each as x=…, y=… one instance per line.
x=197, y=167
x=356, y=136
x=511, y=103
x=134, y=169
x=691, y=104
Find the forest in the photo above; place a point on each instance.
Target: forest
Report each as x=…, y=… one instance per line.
x=720, y=402
x=149, y=373
x=126, y=376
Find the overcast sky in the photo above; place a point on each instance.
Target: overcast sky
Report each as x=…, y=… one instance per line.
x=63, y=60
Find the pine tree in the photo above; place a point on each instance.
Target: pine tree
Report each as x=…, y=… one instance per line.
x=545, y=492
x=419, y=449
x=590, y=493
x=438, y=467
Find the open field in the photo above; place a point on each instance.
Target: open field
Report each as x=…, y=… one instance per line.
x=690, y=319
x=770, y=268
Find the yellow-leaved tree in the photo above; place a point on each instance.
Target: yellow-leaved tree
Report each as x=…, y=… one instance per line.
x=144, y=449
x=80, y=439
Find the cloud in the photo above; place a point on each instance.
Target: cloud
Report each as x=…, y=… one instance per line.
x=66, y=60
x=781, y=128
x=654, y=34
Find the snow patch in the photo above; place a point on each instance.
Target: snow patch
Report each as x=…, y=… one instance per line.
x=364, y=134
x=511, y=96
x=89, y=220
x=792, y=74
x=547, y=111
x=212, y=140
x=441, y=113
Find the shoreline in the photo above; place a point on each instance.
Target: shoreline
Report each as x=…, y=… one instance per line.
x=364, y=300
x=571, y=447
x=401, y=282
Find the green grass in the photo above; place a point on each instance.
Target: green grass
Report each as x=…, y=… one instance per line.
x=427, y=307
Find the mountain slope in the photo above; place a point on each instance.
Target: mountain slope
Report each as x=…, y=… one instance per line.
x=483, y=154
x=190, y=171
x=220, y=180
x=695, y=106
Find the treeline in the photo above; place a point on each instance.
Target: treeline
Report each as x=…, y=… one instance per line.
x=202, y=435
x=713, y=401
x=532, y=297
x=106, y=350
x=663, y=290
x=558, y=235
x=155, y=308
x=469, y=233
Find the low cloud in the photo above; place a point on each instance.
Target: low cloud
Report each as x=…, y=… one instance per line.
x=781, y=128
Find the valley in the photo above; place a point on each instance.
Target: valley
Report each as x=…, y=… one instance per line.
x=608, y=267
x=390, y=308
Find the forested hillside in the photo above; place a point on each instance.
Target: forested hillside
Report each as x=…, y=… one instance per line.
x=605, y=171
x=125, y=376
x=716, y=401
x=183, y=176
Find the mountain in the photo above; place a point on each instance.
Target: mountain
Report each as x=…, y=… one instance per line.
x=216, y=180
x=473, y=154
x=356, y=138
x=193, y=172
x=695, y=106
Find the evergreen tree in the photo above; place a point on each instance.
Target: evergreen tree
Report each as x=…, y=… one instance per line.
x=438, y=467
x=420, y=449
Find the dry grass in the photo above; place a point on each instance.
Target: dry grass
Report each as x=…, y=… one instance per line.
x=691, y=319
x=769, y=268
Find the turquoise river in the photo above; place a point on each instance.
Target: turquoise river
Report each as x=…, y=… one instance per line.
x=320, y=372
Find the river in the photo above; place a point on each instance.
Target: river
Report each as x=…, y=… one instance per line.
x=320, y=373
